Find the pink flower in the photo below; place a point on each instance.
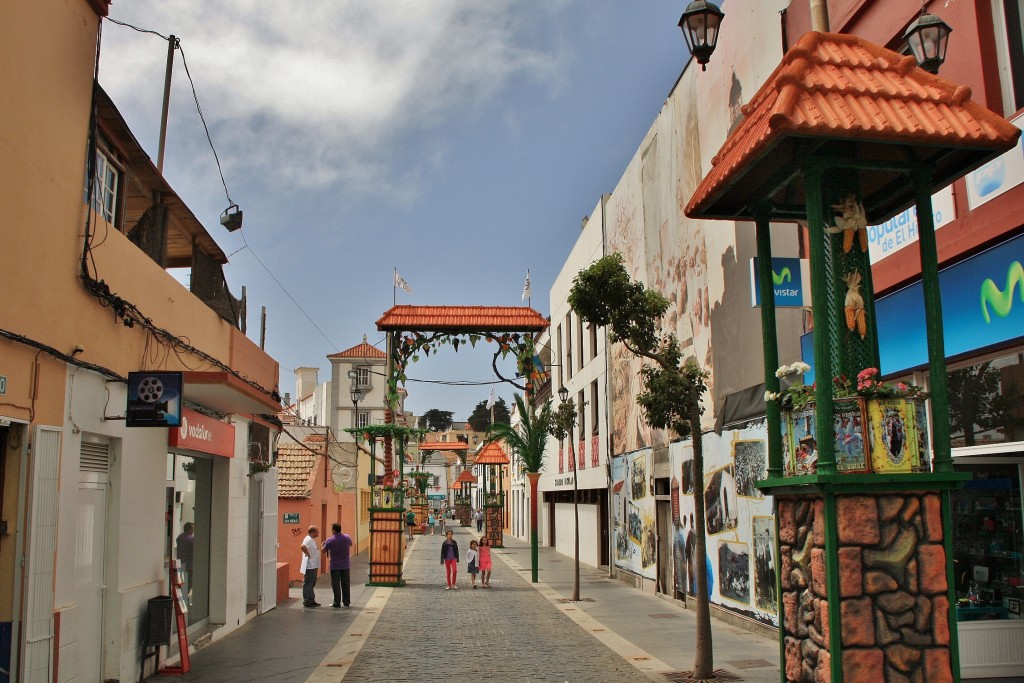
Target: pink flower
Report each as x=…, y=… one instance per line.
x=902, y=387
x=866, y=373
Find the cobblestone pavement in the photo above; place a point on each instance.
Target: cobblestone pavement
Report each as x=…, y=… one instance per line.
x=509, y=632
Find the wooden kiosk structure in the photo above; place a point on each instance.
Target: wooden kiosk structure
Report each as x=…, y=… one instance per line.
x=844, y=134
x=493, y=459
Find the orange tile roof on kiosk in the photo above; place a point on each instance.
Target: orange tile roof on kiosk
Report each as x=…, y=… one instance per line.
x=462, y=318
x=840, y=96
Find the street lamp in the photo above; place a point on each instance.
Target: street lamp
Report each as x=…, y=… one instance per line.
x=927, y=38
x=700, y=23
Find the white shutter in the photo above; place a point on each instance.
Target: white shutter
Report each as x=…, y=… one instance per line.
x=94, y=457
x=268, y=543
x=44, y=469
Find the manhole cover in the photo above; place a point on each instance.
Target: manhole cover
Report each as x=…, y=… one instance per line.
x=750, y=663
x=687, y=676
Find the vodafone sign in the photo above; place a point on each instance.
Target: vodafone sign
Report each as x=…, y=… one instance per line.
x=198, y=432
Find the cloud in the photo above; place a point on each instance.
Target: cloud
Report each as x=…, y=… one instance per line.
x=319, y=93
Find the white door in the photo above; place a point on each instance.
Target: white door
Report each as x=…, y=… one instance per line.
x=89, y=587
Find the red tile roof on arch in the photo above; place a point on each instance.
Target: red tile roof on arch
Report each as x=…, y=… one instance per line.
x=462, y=318
x=466, y=477
x=838, y=89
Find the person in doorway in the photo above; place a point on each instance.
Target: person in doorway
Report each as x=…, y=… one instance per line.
x=185, y=544
x=450, y=560
x=485, y=562
x=410, y=522
x=473, y=557
x=310, y=566
x=431, y=521
x=337, y=548
x=478, y=516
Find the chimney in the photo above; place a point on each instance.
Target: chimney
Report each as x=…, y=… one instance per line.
x=305, y=382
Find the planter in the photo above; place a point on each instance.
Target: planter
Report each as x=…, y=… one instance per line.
x=881, y=435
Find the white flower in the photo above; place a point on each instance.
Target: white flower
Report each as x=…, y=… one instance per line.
x=771, y=396
x=782, y=371
x=800, y=367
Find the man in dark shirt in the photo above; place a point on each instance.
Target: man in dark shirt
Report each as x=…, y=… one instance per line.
x=337, y=548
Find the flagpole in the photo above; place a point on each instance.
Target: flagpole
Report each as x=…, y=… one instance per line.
x=394, y=288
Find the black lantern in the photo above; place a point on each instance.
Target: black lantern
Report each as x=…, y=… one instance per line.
x=563, y=394
x=927, y=38
x=700, y=23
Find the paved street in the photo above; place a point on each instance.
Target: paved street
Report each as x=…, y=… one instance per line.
x=515, y=631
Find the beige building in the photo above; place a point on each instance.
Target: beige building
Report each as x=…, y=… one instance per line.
x=93, y=509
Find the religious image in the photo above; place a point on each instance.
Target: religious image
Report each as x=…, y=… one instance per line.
x=805, y=445
x=687, y=485
x=638, y=478
x=721, y=511
x=893, y=435
x=850, y=450
x=765, y=566
x=749, y=458
x=734, y=571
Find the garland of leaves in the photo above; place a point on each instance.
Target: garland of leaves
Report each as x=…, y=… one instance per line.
x=408, y=347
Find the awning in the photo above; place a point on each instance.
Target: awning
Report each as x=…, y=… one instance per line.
x=225, y=393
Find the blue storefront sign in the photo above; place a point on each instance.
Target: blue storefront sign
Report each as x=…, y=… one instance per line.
x=982, y=307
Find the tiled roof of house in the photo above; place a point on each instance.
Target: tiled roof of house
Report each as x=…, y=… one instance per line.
x=297, y=466
x=362, y=350
x=491, y=454
x=459, y=318
x=840, y=95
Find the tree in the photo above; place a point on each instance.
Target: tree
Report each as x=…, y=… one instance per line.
x=975, y=399
x=604, y=294
x=436, y=420
x=527, y=440
x=480, y=420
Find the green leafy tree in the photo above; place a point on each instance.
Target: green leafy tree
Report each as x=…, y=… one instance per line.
x=480, y=419
x=975, y=401
x=604, y=294
x=436, y=420
x=527, y=440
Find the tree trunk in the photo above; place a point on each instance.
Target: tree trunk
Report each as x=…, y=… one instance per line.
x=534, y=477
x=703, y=664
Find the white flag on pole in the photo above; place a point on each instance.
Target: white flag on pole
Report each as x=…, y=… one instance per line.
x=401, y=283
x=490, y=401
x=526, y=287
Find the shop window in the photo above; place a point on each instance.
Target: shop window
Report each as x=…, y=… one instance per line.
x=986, y=402
x=988, y=543
x=191, y=527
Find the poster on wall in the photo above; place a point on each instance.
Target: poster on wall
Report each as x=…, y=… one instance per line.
x=750, y=459
x=763, y=533
x=720, y=511
x=734, y=571
x=633, y=516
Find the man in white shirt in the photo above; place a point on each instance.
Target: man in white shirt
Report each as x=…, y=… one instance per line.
x=310, y=567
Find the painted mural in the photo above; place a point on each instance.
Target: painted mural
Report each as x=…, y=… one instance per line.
x=634, y=530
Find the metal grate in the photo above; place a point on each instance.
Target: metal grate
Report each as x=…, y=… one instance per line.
x=688, y=677
x=94, y=457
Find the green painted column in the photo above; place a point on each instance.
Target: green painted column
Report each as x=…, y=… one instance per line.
x=937, y=380
x=823, y=371
x=769, y=336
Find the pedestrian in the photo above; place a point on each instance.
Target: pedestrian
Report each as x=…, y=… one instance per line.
x=310, y=566
x=472, y=556
x=485, y=562
x=338, y=549
x=410, y=522
x=185, y=544
x=431, y=521
x=479, y=517
x=440, y=522
x=450, y=559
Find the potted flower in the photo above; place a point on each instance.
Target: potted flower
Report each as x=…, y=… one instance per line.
x=258, y=466
x=190, y=468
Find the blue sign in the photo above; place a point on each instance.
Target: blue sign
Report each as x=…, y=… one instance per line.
x=154, y=399
x=788, y=276
x=982, y=306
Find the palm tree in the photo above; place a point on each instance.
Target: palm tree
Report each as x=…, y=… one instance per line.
x=527, y=439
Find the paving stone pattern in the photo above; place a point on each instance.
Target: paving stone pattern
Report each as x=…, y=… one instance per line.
x=505, y=633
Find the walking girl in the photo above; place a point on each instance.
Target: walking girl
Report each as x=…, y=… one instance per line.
x=431, y=521
x=472, y=556
x=485, y=562
x=450, y=559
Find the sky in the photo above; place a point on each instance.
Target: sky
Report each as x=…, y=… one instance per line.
x=459, y=141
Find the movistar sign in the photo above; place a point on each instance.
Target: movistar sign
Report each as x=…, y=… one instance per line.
x=790, y=278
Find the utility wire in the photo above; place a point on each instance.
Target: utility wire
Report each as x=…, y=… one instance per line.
x=220, y=170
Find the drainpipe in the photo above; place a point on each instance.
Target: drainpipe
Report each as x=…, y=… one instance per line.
x=819, y=15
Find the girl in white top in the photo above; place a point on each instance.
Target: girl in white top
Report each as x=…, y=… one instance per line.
x=473, y=558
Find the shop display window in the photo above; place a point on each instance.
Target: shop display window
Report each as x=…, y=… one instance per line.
x=988, y=542
x=190, y=494
x=986, y=402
